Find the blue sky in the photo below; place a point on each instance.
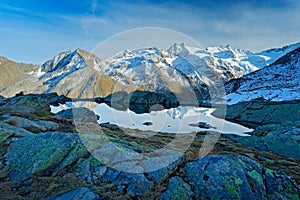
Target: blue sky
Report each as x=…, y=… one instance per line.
x=34, y=31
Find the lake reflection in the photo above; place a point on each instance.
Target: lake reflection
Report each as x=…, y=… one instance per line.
x=174, y=120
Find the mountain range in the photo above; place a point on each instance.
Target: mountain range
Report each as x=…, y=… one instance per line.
x=181, y=69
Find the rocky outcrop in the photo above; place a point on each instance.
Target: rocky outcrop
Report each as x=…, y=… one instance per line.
x=280, y=139
x=276, y=125
x=141, y=101
x=105, y=162
x=34, y=126
x=261, y=112
x=79, y=115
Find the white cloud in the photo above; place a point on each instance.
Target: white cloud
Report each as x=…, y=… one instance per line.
x=243, y=26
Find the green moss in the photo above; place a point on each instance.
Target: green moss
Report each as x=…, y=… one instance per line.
x=49, y=160
x=238, y=181
x=94, y=162
x=4, y=135
x=43, y=153
x=287, y=190
x=234, y=191
x=232, y=185
x=269, y=172
x=256, y=176
x=215, y=197
x=178, y=189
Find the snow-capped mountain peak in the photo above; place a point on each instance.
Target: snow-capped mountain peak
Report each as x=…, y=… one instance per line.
x=179, y=68
x=273, y=54
x=154, y=69
x=276, y=82
x=179, y=50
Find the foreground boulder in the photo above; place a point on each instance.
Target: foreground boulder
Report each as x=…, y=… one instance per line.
x=45, y=154
x=230, y=177
x=177, y=189
x=78, y=194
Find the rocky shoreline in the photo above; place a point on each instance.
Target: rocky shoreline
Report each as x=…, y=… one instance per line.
x=44, y=156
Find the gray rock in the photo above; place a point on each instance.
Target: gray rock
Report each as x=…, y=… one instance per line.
x=112, y=163
x=160, y=166
x=201, y=125
x=279, y=186
x=148, y=123
x=143, y=101
x=2, y=100
x=29, y=106
x=82, y=193
x=229, y=177
x=46, y=126
x=94, y=171
x=79, y=114
x=45, y=154
x=117, y=97
x=5, y=134
x=135, y=183
x=177, y=189
x=281, y=140
x=34, y=126
x=275, y=124
x=260, y=112
x=14, y=131
x=55, y=99
x=90, y=170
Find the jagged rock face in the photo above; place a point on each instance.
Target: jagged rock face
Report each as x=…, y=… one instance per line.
x=74, y=74
x=276, y=82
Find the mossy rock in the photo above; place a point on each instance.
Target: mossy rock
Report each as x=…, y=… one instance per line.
x=284, y=141
x=28, y=106
x=230, y=177
x=43, y=154
x=5, y=134
x=177, y=189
